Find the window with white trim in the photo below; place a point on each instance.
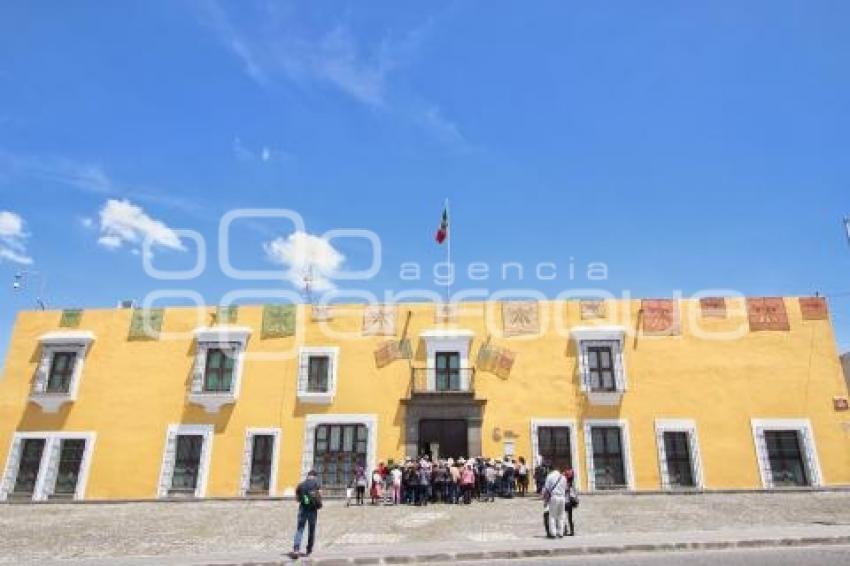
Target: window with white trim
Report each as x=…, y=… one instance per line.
x=678, y=454
x=601, y=366
x=217, y=371
x=317, y=374
x=608, y=455
x=555, y=441
x=60, y=368
x=185, y=461
x=259, y=462
x=786, y=453
x=47, y=465
x=335, y=443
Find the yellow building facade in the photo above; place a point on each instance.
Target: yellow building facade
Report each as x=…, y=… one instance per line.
x=631, y=396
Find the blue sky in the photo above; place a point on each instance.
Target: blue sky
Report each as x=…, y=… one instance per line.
x=687, y=145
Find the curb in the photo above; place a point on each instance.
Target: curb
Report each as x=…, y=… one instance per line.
x=588, y=550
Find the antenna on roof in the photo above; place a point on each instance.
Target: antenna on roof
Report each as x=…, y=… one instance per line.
x=307, y=279
x=21, y=281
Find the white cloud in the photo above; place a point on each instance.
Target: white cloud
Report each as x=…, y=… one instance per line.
x=86, y=222
x=306, y=254
x=442, y=128
x=13, y=238
x=122, y=222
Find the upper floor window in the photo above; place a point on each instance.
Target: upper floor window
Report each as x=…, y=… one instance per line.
x=317, y=374
x=61, y=372
x=601, y=365
x=447, y=371
x=60, y=368
x=600, y=361
x=218, y=374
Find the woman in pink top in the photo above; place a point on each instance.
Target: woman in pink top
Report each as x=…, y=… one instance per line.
x=467, y=480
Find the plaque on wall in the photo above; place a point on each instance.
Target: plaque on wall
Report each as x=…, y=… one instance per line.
x=71, y=318
x=840, y=403
x=226, y=314
x=278, y=321
x=713, y=307
x=592, y=309
x=814, y=308
x=379, y=320
x=767, y=313
x=660, y=317
x=146, y=324
x=520, y=318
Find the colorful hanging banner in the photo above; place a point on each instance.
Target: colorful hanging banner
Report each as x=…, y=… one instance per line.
x=814, y=308
x=226, y=314
x=520, y=318
x=146, y=324
x=767, y=313
x=278, y=321
x=71, y=318
x=393, y=350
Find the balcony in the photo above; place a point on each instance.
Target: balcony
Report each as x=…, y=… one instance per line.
x=442, y=382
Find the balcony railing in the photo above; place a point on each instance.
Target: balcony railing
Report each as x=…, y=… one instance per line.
x=432, y=381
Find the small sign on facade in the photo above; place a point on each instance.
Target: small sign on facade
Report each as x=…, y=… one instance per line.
x=840, y=403
x=592, y=309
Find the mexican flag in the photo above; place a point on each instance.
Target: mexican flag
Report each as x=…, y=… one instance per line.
x=443, y=230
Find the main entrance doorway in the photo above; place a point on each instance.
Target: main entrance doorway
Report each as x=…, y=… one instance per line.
x=447, y=437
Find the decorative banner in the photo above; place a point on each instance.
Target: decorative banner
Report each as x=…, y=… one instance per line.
x=278, y=321
x=496, y=360
x=321, y=313
x=592, y=309
x=393, y=350
x=445, y=313
x=520, y=317
x=767, y=313
x=379, y=320
x=226, y=314
x=713, y=307
x=814, y=308
x=146, y=324
x=660, y=317
x=71, y=318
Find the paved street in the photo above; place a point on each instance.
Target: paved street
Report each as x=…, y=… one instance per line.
x=236, y=530
x=806, y=556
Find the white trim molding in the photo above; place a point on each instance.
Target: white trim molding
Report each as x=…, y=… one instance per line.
x=447, y=340
x=304, y=355
x=247, y=458
x=806, y=438
x=689, y=427
x=49, y=466
x=625, y=447
x=75, y=342
x=169, y=457
x=234, y=340
x=610, y=336
x=536, y=423
x=313, y=420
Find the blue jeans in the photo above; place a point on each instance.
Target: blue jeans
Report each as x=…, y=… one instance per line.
x=309, y=517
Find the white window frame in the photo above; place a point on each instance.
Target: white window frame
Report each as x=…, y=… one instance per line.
x=447, y=340
x=247, y=457
x=227, y=337
x=689, y=427
x=169, y=457
x=806, y=436
x=314, y=420
x=536, y=423
x=71, y=341
x=46, y=480
x=304, y=355
x=623, y=425
x=613, y=337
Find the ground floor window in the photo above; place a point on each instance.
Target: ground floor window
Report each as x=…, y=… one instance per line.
x=608, y=466
x=339, y=449
x=554, y=446
x=785, y=454
x=678, y=456
x=71, y=452
x=29, y=465
x=187, y=463
x=262, y=452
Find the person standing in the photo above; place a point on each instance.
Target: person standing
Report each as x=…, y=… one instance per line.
x=522, y=477
x=555, y=496
x=360, y=482
x=395, y=475
x=572, y=500
x=309, y=496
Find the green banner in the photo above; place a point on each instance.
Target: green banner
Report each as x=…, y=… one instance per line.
x=146, y=324
x=226, y=315
x=71, y=318
x=278, y=321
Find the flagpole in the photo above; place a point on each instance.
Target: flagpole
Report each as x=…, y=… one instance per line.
x=449, y=256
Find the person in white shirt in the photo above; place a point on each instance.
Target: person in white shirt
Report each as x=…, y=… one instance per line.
x=395, y=474
x=555, y=497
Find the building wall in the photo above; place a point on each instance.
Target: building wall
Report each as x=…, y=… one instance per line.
x=132, y=390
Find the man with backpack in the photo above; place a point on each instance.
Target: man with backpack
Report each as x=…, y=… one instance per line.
x=309, y=496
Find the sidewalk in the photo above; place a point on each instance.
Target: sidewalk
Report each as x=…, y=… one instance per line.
x=236, y=532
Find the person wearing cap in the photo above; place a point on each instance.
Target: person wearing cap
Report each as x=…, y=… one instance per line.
x=309, y=496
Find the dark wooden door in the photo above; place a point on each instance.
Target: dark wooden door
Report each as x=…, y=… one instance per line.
x=451, y=434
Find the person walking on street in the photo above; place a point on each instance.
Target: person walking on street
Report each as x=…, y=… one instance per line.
x=555, y=496
x=572, y=500
x=309, y=496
